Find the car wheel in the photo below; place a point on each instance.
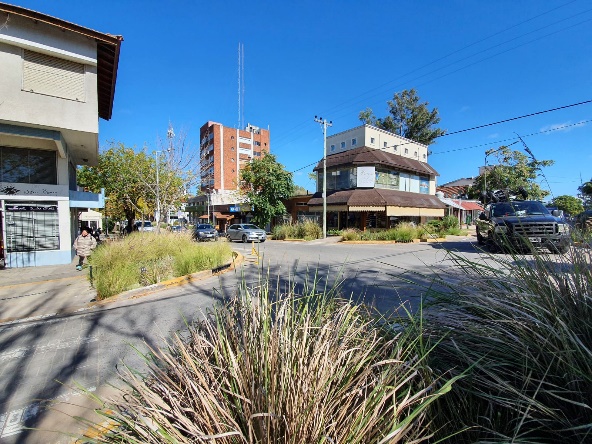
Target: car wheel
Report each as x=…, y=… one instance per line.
x=244, y=238
x=559, y=250
x=480, y=239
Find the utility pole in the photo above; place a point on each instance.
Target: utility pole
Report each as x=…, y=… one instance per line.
x=324, y=125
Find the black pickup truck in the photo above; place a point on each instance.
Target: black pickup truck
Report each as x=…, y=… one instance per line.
x=522, y=225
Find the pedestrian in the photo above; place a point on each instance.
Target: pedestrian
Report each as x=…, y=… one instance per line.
x=84, y=245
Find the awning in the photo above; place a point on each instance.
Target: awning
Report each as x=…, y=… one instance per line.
x=204, y=216
x=470, y=206
x=451, y=203
x=366, y=208
x=219, y=215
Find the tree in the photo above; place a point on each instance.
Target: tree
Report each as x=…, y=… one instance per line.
x=408, y=118
x=265, y=183
x=513, y=170
x=177, y=162
x=569, y=204
x=586, y=193
x=119, y=172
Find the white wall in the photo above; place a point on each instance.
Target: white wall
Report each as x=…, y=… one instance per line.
x=364, y=134
x=22, y=107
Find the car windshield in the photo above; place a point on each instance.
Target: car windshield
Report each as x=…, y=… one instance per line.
x=204, y=227
x=250, y=227
x=146, y=224
x=518, y=208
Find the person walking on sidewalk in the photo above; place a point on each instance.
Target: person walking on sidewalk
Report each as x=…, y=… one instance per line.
x=84, y=245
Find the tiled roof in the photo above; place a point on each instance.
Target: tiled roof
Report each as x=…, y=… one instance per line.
x=372, y=156
x=453, y=191
x=378, y=197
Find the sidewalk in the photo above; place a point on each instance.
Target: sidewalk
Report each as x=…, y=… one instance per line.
x=31, y=292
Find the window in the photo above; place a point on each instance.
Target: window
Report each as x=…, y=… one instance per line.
x=388, y=179
x=231, y=137
x=258, y=143
x=406, y=150
x=232, y=159
x=395, y=148
x=415, y=154
x=332, y=147
x=232, y=171
x=21, y=165
x=342, y=144
x=424, y=156
x=354, y=142
x=372, y=140
x=53, y=76
x=32, y=226
x=231, y=148
x=384, y=144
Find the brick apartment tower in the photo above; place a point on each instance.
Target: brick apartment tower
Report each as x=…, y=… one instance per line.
x=223, y=153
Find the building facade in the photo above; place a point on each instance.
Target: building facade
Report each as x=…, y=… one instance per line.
x=224, y=151
x=56, y=80
x=376, y=179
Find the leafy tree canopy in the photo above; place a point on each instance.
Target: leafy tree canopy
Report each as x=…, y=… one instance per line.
x=569, y=204
x=265, y=183
x=586, y=193
x=514, y=169
x=407, y=117
x=119, y=171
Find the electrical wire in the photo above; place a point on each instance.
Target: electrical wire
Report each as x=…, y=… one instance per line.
x=487, y=125
x=338, y=107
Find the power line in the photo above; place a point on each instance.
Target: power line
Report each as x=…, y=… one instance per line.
x=486, y=125
x=340, y=106
x=559, y=128
x=517, y=118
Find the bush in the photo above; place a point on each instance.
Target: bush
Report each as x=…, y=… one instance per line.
x=147, y=258
x=351, y=234
x=525, y=331
x=307, y=230
x=304, y=369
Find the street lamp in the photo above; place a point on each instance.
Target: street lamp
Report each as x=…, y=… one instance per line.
x=324, y=124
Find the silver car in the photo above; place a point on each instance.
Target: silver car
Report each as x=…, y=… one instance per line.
x=245, y=233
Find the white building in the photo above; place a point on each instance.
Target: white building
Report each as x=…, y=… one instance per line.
x=376, y=179
x=56, y=79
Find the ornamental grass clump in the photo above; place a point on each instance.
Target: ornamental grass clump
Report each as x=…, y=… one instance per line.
x=523, y=325
x=293, y=369
x=146, y=258
x=306, y=230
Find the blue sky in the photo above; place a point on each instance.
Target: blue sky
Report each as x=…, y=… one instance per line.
x=477, y=62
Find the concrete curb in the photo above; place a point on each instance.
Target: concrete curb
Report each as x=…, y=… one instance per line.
x=137, y=293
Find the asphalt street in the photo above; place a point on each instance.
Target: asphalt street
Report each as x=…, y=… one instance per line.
x=51, y=359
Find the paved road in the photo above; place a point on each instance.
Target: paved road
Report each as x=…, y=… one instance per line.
x=43, y=359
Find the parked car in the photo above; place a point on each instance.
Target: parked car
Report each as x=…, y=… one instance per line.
x=245, y=233
x=205, y=232
x=522, y=224
x=144, y=225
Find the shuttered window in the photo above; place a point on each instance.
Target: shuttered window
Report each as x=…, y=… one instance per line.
x=53, y=76
x=32, y=226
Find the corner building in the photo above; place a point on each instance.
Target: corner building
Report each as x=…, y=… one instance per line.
x=224, y=152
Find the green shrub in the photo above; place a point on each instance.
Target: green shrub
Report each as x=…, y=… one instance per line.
x=450, y=222
x=302, y=369
x=146, y=258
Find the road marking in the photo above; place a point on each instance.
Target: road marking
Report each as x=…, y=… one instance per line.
x=13, y=422
x=60, y=344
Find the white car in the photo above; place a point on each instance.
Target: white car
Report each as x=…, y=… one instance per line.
x=245, y=233
x=144, y=226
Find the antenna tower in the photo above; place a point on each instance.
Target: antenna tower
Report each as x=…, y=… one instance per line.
x=241, y=85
